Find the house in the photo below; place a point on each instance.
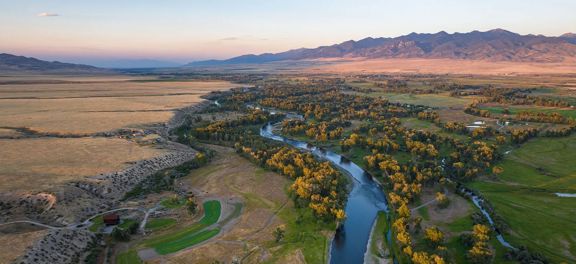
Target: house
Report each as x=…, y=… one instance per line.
x=111, y=219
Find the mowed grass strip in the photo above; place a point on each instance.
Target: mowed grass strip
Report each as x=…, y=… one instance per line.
x=160, y=223
x=187, y=241
x=190, y=235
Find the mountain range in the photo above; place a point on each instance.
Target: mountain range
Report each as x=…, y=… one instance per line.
x=13, y=63
x=493, y=45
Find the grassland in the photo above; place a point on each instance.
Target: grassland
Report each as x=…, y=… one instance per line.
x=50, y=161
x=379, y=246
x=524, y=196
x=97, y=106
x=432, y=100
x=83, y=105
x=437, y=66
x=415, y=123
x=266, y=207
x=97, y=223
x=16, y=243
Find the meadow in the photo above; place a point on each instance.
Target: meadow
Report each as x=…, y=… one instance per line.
x=524, y=195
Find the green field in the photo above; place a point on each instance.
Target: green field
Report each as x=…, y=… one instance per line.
x=183, y=242
x=379, y=235
x=160, y=223
x=189, y=236
x=128, y=257
x=171, y=203
x=415, y=123
x=525, y=197
x=97, y=222
x=306, y=232
x=432, y=100
x=517, y=109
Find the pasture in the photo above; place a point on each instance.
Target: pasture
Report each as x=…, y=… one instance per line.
x=442, y=100
x=524, y=196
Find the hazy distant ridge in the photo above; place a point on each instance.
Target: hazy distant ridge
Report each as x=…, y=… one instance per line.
x=493, y=45
x=9, y=62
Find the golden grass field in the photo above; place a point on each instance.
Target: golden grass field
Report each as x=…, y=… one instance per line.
x=96, y=106
x=442, y=66
x=49, y=161
x=17, y=242
x=82, y=105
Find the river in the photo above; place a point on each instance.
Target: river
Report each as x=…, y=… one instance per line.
x=365, y=200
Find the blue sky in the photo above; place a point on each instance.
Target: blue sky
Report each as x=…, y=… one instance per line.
x=177, y=30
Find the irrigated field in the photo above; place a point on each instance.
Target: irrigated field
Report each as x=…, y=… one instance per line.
x=525, y=196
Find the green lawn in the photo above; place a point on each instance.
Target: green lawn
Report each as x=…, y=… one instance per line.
x=171, y=203
x=160, y=223
x=423, y=211
x=128, y=257
x=126, y=223
x=97, y=222
x=525, y=196
x=190, y=235
x=461, y=224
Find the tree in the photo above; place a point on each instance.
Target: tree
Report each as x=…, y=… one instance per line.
x=403, y=211
x=497, y=170
x=442, y=200
x=434, y=236
x=279, y=233
x=191, y=205
x=120, y=235
x=480, y=252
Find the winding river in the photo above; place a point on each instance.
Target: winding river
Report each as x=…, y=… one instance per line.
x=365, y=200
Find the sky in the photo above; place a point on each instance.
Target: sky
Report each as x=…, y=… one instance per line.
x=188, y=30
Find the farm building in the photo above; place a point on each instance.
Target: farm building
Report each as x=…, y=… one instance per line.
x=111, y=219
